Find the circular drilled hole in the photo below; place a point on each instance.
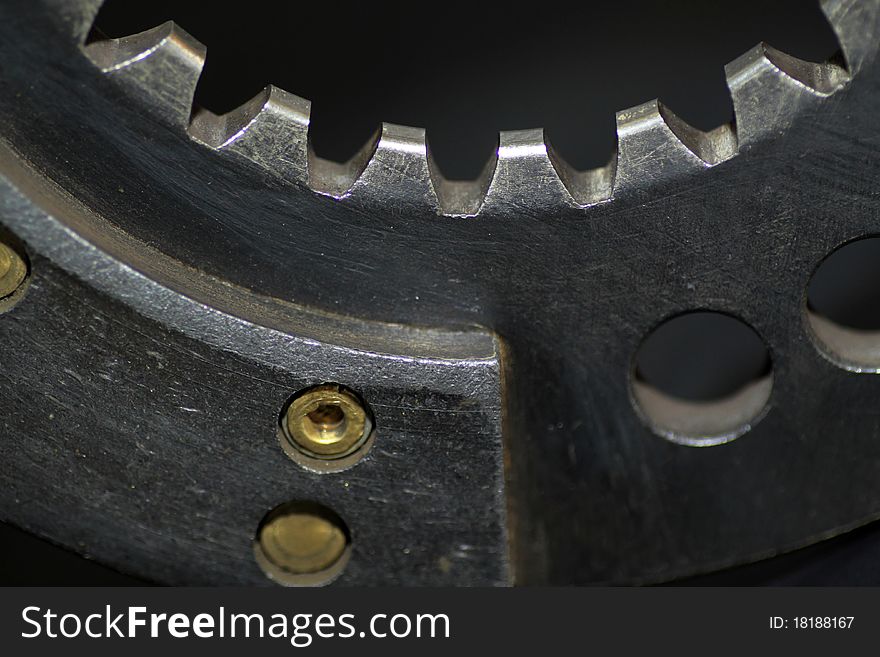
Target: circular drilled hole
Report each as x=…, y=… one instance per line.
x=702, y=378
x=326, y=428
x=843, y=305
x=302, y=544
x=14, y=271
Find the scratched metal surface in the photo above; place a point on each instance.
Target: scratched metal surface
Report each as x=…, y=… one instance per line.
x=145, y=442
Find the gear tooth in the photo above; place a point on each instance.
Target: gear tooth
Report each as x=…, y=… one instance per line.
x=221, y=131
x=461, y=198
x=398, y=168
x=271, y=130
x=76, y=16
x=823, y=79
x=163, y=64
x=589, y=187
x=524, y=177
x=857, y=25
x=654, y=144
x=337, y=179
x=712, y=147
x=768, y=87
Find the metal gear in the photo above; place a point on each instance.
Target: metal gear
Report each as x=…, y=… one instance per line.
x=189, y=274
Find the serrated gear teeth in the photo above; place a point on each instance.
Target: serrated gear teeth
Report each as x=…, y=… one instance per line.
x=163, y=64
x=768, y=87
x=589, y=187
x=656, y=144
x=336, y=179
x=462, y=198
x=271, y=130
x=712, y=147
x=398, y=166
x=525, y=174
x=525, y=178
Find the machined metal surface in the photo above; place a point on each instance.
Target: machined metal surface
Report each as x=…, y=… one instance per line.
x=190, y=272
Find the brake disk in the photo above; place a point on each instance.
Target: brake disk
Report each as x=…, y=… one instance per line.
x=224, y=357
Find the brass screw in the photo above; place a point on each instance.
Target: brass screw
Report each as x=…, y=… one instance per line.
x=327, y=422
x=13, y=271
x=302, y=544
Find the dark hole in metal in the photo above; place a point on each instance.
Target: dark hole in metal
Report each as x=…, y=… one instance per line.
x=702, y=356
x=846, y=286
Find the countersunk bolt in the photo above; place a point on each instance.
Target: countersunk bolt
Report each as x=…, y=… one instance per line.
x=302, y=544
x=327, y=422
x=13, y=271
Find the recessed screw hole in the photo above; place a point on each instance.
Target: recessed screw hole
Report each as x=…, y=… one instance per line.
x=302, y=544
x=326, y=427
x=14, y=270
x=328, y=419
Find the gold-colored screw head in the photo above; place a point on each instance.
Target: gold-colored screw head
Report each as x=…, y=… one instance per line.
x=302, y=544
x=13, y=271
x=327, y=422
